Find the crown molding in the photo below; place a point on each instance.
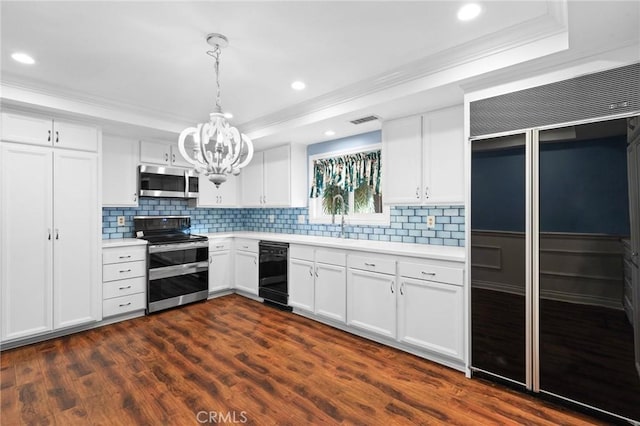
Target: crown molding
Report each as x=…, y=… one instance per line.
x=551, y=25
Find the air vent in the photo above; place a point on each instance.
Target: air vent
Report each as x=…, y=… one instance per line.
x=365, y=119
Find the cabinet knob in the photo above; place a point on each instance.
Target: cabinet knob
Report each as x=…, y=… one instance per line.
x=57, y=234
x=310, y=271
x=49, y=234
x=173, y=158
x=316, y=271
x=49, y=136
x=166, y=157
x=392, y=289
x=402, y=288
x=57, y=137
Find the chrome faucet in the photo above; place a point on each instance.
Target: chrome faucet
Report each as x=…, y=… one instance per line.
x=333, y=216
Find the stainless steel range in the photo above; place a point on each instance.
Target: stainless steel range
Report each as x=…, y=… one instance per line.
x=177, y=261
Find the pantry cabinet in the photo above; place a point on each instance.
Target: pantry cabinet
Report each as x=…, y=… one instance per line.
x=423, y=158
x=275, y=177
x=49, y=251
x=162, y=154
x=45, y=131
x=119, y=172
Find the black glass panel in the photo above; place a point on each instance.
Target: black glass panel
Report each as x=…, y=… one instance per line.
x=193, y=184
x=586, y=337
x=178, y=257
x=158, y=182
x=498, y=256
x=166, y=288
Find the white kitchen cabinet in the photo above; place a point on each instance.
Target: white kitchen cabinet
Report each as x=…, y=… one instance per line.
x=276, y=178
x=220, y=265
x=119, y=172
x=371, y=294
x=246, y=265
x=423, y=158
x=50, y=223
x=331, y=292
x=162, y=154
x=45, y=131
x=124, y=280
x=301, y=284
x=226, y=195
x=430, y=313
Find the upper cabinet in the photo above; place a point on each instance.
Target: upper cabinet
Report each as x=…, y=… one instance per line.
x=161, y=153
x=276, y=178
x=39, y=130
x=423, y=158
x=119, y=172
x=226, y=195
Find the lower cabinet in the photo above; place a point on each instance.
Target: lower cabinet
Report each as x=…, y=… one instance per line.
x=371, y=300
x=220, y=265
x=431, y=313
x=331, y=291
x=246, y=266
x=301, y=284
x=124, y=280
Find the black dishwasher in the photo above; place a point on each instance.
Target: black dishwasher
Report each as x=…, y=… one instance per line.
x=272, y=273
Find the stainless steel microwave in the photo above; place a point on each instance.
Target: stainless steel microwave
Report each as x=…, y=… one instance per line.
x=158, y=181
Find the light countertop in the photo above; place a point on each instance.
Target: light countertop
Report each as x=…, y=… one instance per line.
x=382, y=247
x=123, y=242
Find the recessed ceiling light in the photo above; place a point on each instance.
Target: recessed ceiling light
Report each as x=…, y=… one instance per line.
x=23, y=58
x=469, y=11
x=329, y=133
x=228, y=115
x=298, y=85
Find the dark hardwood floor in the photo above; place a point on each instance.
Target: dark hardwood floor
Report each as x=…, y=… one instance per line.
x=233, y=359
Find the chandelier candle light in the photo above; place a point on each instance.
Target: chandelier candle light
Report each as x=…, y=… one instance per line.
x=216, y=148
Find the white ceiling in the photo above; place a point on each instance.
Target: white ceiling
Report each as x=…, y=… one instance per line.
x=357, y=58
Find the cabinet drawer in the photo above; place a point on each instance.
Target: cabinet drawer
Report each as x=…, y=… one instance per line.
x=120, y=271
x=124, y=304
x=331, y=257
x=426, y=271
x=123, y=254
x=123, y=287
x=301, y=252
x=219, y=245
x=373, y=264
x=245, y=244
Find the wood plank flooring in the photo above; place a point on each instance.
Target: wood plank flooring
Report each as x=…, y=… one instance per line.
x=232, y=359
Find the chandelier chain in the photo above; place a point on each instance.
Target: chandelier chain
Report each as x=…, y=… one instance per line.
x=215, y=53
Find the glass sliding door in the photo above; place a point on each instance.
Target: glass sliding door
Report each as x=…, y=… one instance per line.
x=585, y=340
x=499, y=241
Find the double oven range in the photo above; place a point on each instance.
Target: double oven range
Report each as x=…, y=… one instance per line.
x=177, y=261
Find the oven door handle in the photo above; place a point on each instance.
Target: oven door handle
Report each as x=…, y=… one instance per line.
x=161, y=248
x=177, y=270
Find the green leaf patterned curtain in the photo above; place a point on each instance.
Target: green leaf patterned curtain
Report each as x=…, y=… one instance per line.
x=347, y=172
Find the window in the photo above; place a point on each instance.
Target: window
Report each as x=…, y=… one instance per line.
x=347, y=182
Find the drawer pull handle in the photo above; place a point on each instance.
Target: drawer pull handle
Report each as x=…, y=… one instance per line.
x=124, y=288
x=431, y=274
x=125, y=270
x=210, y=259
x=219, y=247
x=125, y=257
x=370, y=264
x=122, y=305
x=245, y=247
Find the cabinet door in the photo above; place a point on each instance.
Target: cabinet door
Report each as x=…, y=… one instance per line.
x=219, y=270
x=155, y=153
x=252, y=182
x=224, y=196
x=246, y=272
x=26, y=129
x=443, y=151
x=371, y=302
x=177, y=160
x=25, y=246
x=430, y=316
x=331, y=291
x=277, y=177
x=301, y=284
x=77, y=297
x=75, y=136
x=119, y=172
x=402, y=160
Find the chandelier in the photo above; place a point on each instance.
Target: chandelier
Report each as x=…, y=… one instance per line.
x=216, y=148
